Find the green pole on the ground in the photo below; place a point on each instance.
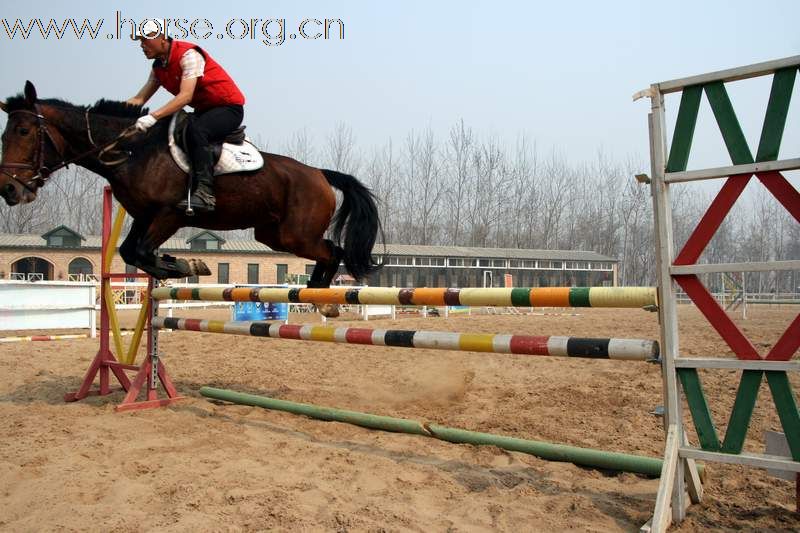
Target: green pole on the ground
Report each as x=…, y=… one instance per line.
x=622, y=462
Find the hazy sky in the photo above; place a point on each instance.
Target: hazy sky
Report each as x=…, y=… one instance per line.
x=562, y=73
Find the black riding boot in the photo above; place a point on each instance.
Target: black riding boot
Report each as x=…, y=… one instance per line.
x=203, y=200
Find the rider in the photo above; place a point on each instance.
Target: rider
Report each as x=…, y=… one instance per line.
x=188, y=72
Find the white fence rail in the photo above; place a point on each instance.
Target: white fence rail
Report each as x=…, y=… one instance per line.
x=780, y=298
x=47, y=305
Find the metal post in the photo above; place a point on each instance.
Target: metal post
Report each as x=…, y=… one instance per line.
x=152, y=342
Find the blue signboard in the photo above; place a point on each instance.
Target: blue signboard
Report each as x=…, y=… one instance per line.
x=260, y=310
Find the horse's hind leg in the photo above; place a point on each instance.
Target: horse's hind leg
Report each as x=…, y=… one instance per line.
x=325, y=270
x=326, y=254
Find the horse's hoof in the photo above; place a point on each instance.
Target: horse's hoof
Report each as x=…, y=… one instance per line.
x=328, y=310
x=199, y=268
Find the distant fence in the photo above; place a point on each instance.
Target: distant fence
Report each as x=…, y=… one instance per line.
x=47, y=305
x=773, y=298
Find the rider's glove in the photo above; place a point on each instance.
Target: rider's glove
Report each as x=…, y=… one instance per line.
x=146, y=122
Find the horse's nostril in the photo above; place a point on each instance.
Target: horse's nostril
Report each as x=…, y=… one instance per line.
x=8, y=189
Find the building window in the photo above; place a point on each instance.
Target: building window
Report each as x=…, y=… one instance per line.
x=252, y=273
x=204, y=244
x=223, y=272
x=577, y=265
x=32, y=268
x=499, y=263
x=455, y=262
x=206, y=240
x=406, y=261
x=79, y=267
x=310, y=269
x=282, y=271
x=62, y=237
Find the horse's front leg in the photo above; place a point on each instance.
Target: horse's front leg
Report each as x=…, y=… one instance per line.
x=130, y=251
x=161, y=228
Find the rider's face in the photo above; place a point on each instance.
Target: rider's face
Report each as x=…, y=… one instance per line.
x=153, y=48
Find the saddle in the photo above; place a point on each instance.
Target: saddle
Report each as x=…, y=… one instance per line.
x=236, y=153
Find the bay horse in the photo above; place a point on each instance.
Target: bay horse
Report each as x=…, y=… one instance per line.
x=289, y=205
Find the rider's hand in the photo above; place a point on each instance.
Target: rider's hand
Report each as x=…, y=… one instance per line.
x=145, y=123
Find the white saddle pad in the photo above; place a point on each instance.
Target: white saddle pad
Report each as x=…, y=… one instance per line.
x=234, y=157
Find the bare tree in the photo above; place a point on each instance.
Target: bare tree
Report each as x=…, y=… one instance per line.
x=457, y=155
x=340, y=150
x=488, y=176
x=381, y=175
x=300, y=146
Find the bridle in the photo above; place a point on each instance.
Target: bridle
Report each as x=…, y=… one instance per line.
x=102, y=149
x=42, y=171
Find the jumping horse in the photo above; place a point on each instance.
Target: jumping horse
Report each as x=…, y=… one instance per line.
x=289, y=205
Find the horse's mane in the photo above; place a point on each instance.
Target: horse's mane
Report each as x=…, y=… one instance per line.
x=111, y=108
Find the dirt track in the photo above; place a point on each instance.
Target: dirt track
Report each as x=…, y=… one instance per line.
x=201, y=465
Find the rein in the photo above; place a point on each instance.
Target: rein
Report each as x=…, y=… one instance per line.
x=42, y=171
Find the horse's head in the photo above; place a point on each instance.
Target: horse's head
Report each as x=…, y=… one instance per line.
x=30, y=148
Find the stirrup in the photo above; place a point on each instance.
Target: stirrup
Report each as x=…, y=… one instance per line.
x=200, y=201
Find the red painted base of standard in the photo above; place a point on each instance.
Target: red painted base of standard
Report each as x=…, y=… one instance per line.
x=147, y=404
x=152, y=400
x=105, y=364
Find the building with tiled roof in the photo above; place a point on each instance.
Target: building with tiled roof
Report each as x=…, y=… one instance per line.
x=64, y=254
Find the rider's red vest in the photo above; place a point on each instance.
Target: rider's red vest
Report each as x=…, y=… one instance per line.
x=214, y=88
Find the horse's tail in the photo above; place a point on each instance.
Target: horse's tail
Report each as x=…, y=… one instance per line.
x=357, y=221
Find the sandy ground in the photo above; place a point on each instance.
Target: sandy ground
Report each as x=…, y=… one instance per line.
x=201, y=465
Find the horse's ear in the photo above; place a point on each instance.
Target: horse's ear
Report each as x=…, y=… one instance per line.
x=30, y=93
x=3, y=106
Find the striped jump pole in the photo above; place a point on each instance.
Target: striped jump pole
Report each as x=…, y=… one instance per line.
x=625, y=349
x=39, y=338
x=617, y=297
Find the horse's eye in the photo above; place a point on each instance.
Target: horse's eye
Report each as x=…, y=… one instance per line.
x=24, y=131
